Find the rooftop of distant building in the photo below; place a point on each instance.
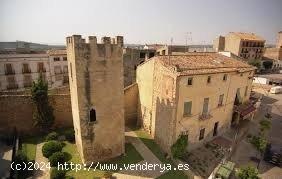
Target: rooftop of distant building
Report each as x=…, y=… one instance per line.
x=202, y=63
x=247, y=36
x=57, y=52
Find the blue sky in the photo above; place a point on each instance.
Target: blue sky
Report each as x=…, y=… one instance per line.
x=142, y=21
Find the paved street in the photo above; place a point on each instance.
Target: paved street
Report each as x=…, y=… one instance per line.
x=273, y=103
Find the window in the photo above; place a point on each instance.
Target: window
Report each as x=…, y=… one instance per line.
x=65, y=69
x=151, y=54
x=224, y=77
x=215, y=129
x=202, y=134
x=246, y=91
x=40, y=67
x=187, y=108
x=220, y=100
x=56, y=58
x=209, y=79
x=92, y=115
x=206, y=106
x=26, y=68
x=65, y=58
x=57, y=69
x=9, y=69
x=190, y=81
x=142, y=55
x=241, y=74
x=27, y=81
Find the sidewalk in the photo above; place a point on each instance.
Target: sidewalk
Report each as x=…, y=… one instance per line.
x=41, y=174
x=148, y=156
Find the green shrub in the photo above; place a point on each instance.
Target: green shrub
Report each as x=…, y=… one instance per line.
x=51, y=147
x=52, y=136
x=70, y=135
x=57, y=174
x=178, y=149
x=57, y=157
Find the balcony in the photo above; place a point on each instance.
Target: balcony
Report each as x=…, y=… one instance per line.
x=12, y=86
x=41, y=70
x=9, y=72
x=27, y=84
x=205, y=116
x=26, y=70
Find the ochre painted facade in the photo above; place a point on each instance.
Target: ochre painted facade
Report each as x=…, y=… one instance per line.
x=162, y=93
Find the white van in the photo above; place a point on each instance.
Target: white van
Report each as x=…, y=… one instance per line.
x=276, y=89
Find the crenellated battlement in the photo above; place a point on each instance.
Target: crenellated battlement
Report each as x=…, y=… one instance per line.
x=109, y=47
x=77, y=39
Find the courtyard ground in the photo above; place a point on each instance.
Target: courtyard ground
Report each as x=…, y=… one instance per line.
x=244, y=151
x=5, y=159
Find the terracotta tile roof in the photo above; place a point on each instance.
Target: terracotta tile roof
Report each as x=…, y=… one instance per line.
x=57, y=52
x=247, y=36
x=203, y=63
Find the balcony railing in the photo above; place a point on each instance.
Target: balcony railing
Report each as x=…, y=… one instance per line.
x=27, y=84
x=41, y=70
x=26, y=70
x=205, y=116
x=12, y=86
x=9, y=72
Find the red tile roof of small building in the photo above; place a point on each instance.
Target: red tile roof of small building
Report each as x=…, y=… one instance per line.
x=203, y=63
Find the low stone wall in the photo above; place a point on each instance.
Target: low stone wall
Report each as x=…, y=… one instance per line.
x=130, y=104
x=16, y=112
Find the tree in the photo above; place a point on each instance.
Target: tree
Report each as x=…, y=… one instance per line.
x=259, y=143
x=264, y=125
x=267, y=64
x=178, y=149
x=255, y=63
x=43, y=113
x=248, y=173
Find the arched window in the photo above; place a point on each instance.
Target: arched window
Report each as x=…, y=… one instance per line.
x=92, y=115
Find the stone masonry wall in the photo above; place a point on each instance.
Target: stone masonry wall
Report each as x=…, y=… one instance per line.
x=16, y=111
x=131, y=104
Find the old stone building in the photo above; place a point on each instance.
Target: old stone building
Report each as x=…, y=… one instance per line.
x=180, y=49
x=219, y=43
x=131, y=58
x=275, y=54
x=58, y=67
x=96, y=88
x=244, y=45
x=19, y=69
x=192, y=94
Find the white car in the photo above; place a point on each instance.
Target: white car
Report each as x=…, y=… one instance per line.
x=276, y=89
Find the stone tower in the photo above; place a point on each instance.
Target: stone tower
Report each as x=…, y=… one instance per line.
x=96, y=88
x=279, y=40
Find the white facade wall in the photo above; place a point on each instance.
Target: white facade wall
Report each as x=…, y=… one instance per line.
x=260, y=80
x=17, y=61
x=58, y=78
